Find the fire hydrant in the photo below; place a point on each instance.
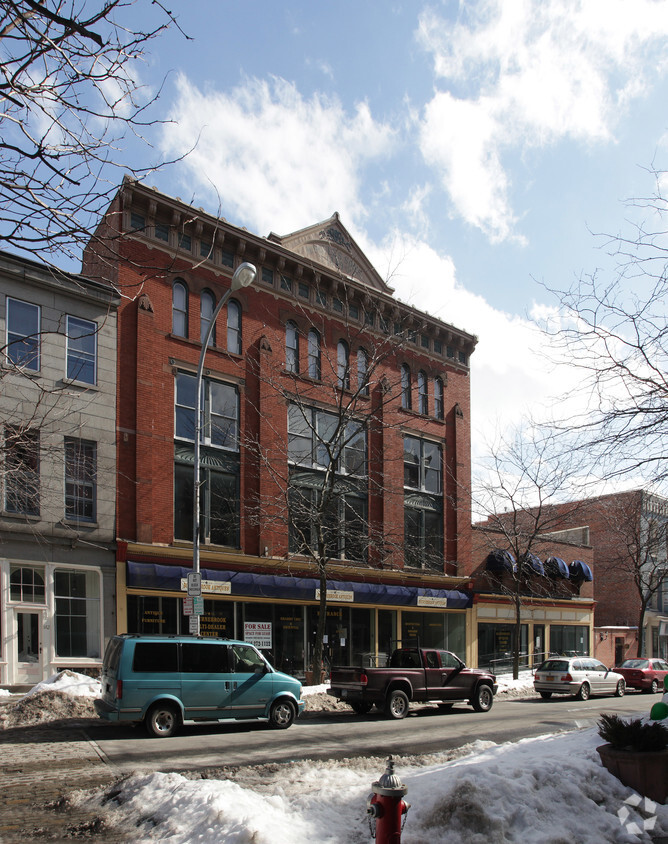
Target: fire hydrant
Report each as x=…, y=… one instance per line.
x=386, y=805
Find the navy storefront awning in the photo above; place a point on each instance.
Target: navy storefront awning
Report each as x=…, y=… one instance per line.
x=580, y=571
x=556, y=567
x=250, y=585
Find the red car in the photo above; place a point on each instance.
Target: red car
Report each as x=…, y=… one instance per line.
x=644, y=673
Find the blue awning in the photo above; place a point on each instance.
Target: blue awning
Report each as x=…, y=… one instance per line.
x=499, y=561
x=580, y=571
x=556, y=567
x=535, y=563
x=244, y=584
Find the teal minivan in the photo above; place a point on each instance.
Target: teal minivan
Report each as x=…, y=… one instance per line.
x=166, y=680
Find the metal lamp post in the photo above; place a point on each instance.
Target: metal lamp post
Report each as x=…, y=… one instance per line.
x=244, y=276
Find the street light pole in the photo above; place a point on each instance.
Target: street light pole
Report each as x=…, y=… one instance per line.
x=244, y=276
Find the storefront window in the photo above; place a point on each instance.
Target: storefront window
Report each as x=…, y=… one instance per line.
x=446, y=631
x=148, y=614
x=218, y=619
x=569, y=639
x=77, y=595
x=496, y=644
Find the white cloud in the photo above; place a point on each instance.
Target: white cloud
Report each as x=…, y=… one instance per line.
x=529, y=73
x=510, y=376
x=280, y=161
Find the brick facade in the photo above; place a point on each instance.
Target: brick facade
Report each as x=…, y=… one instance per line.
x=317, y=279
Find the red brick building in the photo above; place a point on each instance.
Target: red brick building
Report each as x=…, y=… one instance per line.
x=314, y=372
x=628, y=532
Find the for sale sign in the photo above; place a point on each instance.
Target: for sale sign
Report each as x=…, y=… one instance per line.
x=258, y=633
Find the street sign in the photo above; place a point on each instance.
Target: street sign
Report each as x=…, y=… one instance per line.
x=194, y=583
x=194, y=625
x=188, y=608
x=198, y=605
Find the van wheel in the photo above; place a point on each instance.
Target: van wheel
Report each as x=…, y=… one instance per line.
x=281, y=715
x=396, y=705
x=162, y=720
x=483, y=699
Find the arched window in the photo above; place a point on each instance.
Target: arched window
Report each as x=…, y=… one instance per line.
x=438, y=398
x=180, y=309
x=207, y=305
x=314, y=354
x=234, y=327
x=406, y=401
x=343, y=364
x=291, y=347
x=362, y=372
x=423, y=396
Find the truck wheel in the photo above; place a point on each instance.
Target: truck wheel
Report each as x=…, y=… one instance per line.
x=483, y=698
x=396, y=705
x=361, y=707
x=281, y=715
x=162, y=720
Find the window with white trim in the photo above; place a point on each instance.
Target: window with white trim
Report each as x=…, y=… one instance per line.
x=23, y=334
x=81, y=350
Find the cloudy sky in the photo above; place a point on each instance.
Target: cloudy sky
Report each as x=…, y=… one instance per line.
x=473, y=149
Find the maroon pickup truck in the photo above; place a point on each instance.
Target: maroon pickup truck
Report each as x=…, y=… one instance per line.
x=419, y=674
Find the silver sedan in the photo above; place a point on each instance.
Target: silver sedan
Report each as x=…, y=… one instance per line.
x=579, y=676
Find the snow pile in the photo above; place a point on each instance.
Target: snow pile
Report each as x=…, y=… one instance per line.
x=64, y=695
x=547, y=790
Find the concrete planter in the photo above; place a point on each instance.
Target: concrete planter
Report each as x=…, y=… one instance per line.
x=646, y=773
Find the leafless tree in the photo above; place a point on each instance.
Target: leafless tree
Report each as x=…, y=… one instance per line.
x=71, y=99
x=614, y=330
x=522, y=487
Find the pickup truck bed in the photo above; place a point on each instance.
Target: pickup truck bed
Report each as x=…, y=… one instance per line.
x=414, y=674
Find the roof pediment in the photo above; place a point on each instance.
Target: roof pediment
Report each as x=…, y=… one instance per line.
x=330, y=244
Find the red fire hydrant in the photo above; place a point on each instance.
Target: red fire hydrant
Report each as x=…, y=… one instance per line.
x=386, y=805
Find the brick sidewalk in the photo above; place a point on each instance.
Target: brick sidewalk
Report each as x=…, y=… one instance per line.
x=39, y=767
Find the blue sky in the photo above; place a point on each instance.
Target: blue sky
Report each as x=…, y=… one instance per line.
x=471, y=148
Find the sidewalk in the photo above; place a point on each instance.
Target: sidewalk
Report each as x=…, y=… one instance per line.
x=38, y=767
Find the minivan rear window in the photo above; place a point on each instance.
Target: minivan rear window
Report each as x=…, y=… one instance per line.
x=156, y=657
x=112, y=655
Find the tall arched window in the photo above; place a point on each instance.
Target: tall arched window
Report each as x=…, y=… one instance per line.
x=207, y=304
x=180, y=309
x=234, y=327
x=406, y=401
x=291, y=347
x=314, y=354
x=362, y=372
x=438, y=398
x=423, y=396
x=343, y=364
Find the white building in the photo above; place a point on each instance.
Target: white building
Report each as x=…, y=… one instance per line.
x=57, y=470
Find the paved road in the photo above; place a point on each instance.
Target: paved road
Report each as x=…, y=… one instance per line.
x=340, y=734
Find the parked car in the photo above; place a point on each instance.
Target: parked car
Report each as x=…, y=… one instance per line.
x=163, y=681
x=579, y=676
x=418, y=674
x=645, y=674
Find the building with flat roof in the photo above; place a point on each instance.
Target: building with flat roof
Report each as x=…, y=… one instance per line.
x=334, y=438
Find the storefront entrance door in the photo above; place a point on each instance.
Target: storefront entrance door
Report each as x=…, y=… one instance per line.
x=28, y=647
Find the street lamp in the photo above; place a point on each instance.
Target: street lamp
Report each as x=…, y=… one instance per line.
x=244, y=276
